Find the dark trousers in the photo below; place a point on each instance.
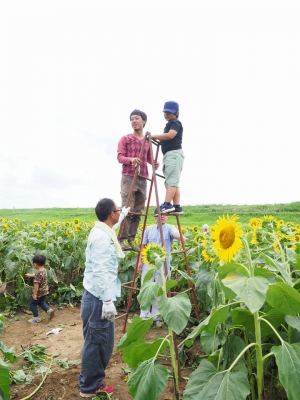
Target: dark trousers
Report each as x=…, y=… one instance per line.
x=98, y=343
x=39, y=302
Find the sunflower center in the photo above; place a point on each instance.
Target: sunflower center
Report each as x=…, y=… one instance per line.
x=226, y=237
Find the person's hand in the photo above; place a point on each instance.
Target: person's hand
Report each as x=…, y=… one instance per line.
x=136, y=161
x=27, y=275
x=156, y=165
x=34, y=296
x=125, y=211
x=183, y=239
x=108, y=311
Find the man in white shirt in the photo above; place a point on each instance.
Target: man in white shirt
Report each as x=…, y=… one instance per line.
x=101, y=288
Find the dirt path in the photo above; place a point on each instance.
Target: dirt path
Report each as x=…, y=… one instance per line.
x=61, y=383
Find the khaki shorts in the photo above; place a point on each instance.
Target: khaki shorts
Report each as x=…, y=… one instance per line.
x=172, y=167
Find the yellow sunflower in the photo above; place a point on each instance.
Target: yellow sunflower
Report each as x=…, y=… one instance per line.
x=255, y=222
x=152, y=252
x=226, y=236
x=206, y=256
x=198, y=238
x=195, y=229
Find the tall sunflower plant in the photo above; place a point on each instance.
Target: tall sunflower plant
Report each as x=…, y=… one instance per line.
x=255, y=324
x=149, y=378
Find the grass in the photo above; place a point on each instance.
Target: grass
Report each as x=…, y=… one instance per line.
x=193, y=215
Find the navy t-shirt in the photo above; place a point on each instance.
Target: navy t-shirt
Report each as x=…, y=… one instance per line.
x=175, y=143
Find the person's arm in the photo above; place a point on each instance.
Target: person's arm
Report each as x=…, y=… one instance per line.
x=176, y=235
x=165, y=136
x=35, y=290
x=122, y=154
x=149, y=161
x=29, y=275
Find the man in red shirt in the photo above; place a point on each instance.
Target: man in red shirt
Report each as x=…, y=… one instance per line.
x=129, y=148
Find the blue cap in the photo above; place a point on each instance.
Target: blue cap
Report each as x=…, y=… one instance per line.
x=171, y=106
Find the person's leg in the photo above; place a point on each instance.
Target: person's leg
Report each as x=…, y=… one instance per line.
x=125, y=189
x=44, y=306
x=173, y=164
x=98, y=344
x=155, y=311
x=33, y=307
x=138, y=207
x=170, y=194
x=176, y=198
x=42, y=303
x=144, y=314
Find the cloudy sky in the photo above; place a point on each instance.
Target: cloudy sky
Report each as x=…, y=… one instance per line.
x=72, y=71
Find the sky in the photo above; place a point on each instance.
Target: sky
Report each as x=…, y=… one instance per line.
x=72, y=71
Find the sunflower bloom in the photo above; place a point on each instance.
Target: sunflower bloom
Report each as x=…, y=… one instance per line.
x=206, y=256
x=226, y=236
x=151, y=252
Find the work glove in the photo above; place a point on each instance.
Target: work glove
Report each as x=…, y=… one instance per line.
x=124, y=212
x=108, y=311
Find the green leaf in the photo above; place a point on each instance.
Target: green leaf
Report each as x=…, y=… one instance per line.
x=288, y=362
x=294, y=322
x=175, y=311
x=206, y=383
x=141, y=350
x=9, y=354
x=275, y=317
x=280, y=267
x=243, y=317
x=69, y=263
x=196, y=332
x=170, y=284
x=217, y=316
x=11, y=269
x=136, y=330
x=149, y=275
x=284, y=298
x=225, y=269
x=184, y=275
x=5, y=381
x=148, y=294
x=251, y=290
x=148, y=381
x=52, y=275
x=209, y=342
x=203, y=278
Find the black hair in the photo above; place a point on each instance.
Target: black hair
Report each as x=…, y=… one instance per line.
x=103, y=208
x=141, y=114
x=39, y=259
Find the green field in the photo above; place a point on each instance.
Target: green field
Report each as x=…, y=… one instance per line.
x=193, y=215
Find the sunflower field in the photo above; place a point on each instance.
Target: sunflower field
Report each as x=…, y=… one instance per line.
x=247, y=282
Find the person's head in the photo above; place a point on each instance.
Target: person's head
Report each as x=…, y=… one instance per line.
x=164, y=217
x=105, y=209
x=171, y=110
x=39, y=260
x=205, y=228
x=138, y=119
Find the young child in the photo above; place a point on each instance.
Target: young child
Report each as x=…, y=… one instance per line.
x=40, y=289
x=171, y=146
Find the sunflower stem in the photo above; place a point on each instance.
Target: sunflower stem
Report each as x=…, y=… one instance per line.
x=258, y=344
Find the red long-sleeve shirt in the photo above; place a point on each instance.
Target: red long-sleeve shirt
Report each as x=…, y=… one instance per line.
x=129, y=147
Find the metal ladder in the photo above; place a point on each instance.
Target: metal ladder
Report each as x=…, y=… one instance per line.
x=132, y=284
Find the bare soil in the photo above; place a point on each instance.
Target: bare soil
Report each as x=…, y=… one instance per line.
x=63, y=383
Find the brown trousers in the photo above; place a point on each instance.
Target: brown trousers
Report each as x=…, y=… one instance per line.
x=137, y=204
